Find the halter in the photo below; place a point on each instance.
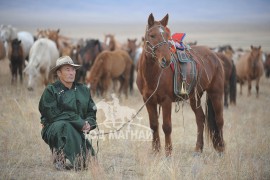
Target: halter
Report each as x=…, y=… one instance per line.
x=152, y=47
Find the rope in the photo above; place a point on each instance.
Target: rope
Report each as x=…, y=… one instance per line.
x=134, y=116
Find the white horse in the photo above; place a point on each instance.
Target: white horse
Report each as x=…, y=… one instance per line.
x=42, y=57
x=9, y=33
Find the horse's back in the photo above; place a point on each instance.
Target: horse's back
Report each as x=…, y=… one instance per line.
x=44, y=52
x=27, y=41
x=115, y=62
x=208, y=63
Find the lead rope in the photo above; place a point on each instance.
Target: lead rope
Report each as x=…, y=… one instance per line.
x=133, y=117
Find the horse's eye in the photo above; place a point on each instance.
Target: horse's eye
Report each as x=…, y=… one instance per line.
x=152, y=36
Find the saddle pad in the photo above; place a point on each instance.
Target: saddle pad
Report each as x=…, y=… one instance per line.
x=184, y=70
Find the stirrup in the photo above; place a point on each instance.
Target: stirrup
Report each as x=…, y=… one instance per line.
x=183, y=89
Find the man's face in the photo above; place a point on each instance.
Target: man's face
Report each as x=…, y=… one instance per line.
x=66, y=73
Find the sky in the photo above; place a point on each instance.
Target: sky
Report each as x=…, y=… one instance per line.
x=46, y=12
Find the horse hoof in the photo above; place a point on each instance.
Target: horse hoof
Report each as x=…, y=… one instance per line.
x=221, y=154
x=197, y=154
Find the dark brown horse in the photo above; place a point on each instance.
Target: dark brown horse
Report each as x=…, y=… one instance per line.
x=156, y=91
x=250, y=67
x=267, y=66
x=230, y=79
x=88, y=54
x=2, y=50
x=108, y=66
x=16, y=60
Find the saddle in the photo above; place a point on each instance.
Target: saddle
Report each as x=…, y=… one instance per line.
x=185, y=73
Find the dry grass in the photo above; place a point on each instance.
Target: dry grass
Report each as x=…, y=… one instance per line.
x=24, y=155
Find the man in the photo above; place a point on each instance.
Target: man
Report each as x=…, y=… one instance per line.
x=67, y=113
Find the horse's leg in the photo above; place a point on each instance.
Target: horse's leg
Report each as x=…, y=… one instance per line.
x=125, y=86
x=216, y=123
x=21, y=73
x=249, y=86
x=167, y=126
x=154, y=125
x=226, y=92
x=106, y=85
x=257, y=87
x=131, y=78
x=122, y=81
x=13, y=73
x=241, y=84
x=200, y=120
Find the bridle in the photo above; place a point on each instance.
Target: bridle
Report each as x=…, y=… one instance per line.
x=154, y=47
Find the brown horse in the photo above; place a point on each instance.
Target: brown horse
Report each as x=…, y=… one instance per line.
x=267, y=66
x=16, y=60
x=230, y=79
x=63, y=43
x=87, y=56
x=111, y=43
x=110, y=65
x=155, y=82
x=250, y=67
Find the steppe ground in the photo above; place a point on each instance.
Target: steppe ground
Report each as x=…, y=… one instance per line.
x=24, y=155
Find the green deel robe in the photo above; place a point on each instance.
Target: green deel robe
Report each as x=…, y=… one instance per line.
x=63, y=114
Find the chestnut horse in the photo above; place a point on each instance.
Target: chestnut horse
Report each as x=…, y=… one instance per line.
x=250, y=67
x=155, y=82
x=110, y=65
x=230, y=79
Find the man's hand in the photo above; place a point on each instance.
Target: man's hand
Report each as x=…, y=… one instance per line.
x=86, y=127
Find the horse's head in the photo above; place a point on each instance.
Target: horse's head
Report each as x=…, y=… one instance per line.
x=110, y=42
x=132, y=46
x=93, y=76
x=33, y=74
x=156, y=40
x=16, y=48
x=8, y=33
x=41, y=33
x=90, y=51
x=255, y=55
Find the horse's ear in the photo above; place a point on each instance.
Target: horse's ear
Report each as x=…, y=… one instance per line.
x=165, y=20
x=19, y=41
x=58, y=30
x=259, y=47
x=251, y=46
x=151, y=20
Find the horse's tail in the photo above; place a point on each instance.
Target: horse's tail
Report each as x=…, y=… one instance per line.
x=211, y=125
x=233, y=82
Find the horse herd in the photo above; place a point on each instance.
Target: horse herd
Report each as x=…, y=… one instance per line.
x=105, y=63
x=36, y=55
